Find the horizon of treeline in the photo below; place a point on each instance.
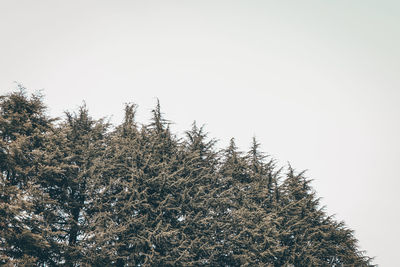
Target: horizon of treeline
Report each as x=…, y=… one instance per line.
x=78, y=191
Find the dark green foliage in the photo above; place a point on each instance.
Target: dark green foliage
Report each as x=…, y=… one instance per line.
x=79, y=194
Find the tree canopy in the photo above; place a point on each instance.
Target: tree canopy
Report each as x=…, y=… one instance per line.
x=78, y=191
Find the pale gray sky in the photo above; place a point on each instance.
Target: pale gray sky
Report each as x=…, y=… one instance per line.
x=316, y=81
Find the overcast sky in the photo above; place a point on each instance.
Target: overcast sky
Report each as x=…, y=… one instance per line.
x=317, y=82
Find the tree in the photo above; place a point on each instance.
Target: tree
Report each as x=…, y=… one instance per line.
x=23, y=129
x=198, y=188
x=80, y=194
x=72, y=160
x=310, y=237
x=233, y=181
x=140, y=202
x=119, y=198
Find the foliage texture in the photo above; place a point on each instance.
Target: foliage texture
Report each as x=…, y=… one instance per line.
x=78, y=192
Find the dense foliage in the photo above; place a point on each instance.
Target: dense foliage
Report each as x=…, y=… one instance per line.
x=77, y=192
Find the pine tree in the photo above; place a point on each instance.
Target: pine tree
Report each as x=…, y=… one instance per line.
x=138, y=219
x=309, y=237
x=232, y=183
x=256, y=241
x=23, y=127
x=119, y=197
x=72, y=159
x=251, y=231
x=77, y=194
x=200, y=163
x=163, y=180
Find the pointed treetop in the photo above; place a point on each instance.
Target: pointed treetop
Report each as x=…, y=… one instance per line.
x=81, y=122
x=129, y=125
x=232, y=145
x=158, y=122
x=232, y=151
x=197, y=139
x=80, y=119
x=20, y=114
x=130, y=112
x=255, y=155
